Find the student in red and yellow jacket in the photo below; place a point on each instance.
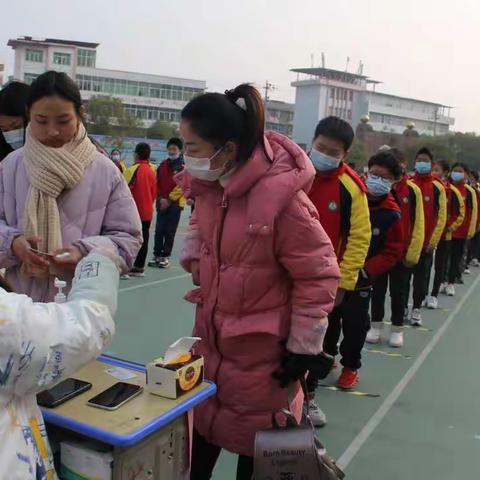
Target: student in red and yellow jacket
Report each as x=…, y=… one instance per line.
x=339, y=196
x=170, y=204
x=141, y=180
x=455, y=216
x=409, y=199
x=386, y=248
x=466, y=230
x=474, y=244
x=435, y=212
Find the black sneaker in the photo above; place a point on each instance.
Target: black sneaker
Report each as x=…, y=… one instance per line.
x=164, y=263
x=155, y=262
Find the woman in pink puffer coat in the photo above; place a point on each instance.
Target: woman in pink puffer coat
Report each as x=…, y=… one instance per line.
x=266, y=270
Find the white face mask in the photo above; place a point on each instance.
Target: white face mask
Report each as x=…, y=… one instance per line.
x=200, y=167
x=115, y=157
x=15, y=138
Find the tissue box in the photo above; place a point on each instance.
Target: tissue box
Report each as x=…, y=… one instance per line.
x=172, y=381
x=85, y=461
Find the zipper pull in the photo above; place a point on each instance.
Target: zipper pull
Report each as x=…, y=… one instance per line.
x=224, y=203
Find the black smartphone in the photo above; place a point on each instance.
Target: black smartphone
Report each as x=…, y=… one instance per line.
x=115, y=396
x=60, y=393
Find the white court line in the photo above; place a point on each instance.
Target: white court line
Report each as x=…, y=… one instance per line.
x=156, y=282
x=358, y=442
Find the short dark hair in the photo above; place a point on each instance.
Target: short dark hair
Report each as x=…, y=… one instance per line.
x=13, y=100
x=115, y=150
x=176, y=142
x=398, y=154
x=461, y=165
x=53, y=83
x=238, y=115
x=443, y=164
x=425, y=151
x=337, y=129
x=143, y=151
x=388, y=160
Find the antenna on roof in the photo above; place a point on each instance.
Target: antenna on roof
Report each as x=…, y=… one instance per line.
x=312, y=60
x=323, y=60
x=346, y=66
x=360, y=68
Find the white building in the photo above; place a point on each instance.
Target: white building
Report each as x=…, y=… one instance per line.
x=148, y=97
x=279, y=117
x=321, y=92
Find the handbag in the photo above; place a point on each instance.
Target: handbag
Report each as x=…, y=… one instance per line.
x=292, y=451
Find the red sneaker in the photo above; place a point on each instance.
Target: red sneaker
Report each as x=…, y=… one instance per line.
x=348, y=379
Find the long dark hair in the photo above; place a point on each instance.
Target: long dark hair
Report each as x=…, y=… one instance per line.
x=238, y=115
x=53, y=83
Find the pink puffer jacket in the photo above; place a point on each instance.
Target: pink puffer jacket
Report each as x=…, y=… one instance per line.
x=268, y=276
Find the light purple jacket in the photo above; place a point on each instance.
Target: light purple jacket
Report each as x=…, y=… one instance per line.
x=98, y=211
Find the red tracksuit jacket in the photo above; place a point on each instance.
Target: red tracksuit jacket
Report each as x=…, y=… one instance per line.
x=144, y=190
x=387, y=244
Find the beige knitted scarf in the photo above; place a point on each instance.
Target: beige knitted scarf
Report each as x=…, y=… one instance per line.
x=50, y=172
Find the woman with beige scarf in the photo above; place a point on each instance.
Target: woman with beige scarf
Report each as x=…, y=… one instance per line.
x=59, y=197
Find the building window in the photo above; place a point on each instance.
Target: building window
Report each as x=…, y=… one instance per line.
x=351, y=95
x=115, y=86
x=28, y=78
x=61, y=58
x=349, y=114
x=332, y=93
x=153, y=113
x=86, y=58
x=34, y=55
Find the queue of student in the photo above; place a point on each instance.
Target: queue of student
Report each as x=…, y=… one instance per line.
x=288, y=251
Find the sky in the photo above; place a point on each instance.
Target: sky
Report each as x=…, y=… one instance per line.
x=425, y=49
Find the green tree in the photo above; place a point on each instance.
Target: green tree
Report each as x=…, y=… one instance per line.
x=107, y=116
x=358, y=153
x=161, y=130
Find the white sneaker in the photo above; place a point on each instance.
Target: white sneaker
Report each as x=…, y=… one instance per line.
x=432, y=303
x=466, y=271
x=406, y=315
x=475, y=262
x=319, y=419
x=450, y=290
x=424, y=303
x=396, y=339
x=124, y=276
x=374, y=334
x=416, y=318
x=443, y=288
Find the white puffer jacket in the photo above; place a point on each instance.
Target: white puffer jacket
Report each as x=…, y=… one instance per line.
x=41, y=344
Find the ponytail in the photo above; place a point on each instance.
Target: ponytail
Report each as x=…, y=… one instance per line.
x=238, y=116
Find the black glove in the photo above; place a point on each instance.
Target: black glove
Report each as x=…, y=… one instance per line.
x=364, y=282
x=294, y=366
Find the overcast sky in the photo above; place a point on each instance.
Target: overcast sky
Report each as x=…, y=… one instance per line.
x=426, y=49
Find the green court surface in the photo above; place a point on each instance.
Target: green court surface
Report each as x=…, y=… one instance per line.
x=425, y=422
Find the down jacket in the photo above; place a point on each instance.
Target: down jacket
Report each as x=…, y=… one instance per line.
x=268, y=278
x=97, y=212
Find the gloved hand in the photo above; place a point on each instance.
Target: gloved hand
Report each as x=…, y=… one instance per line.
x=364, y=282
x=294, y=366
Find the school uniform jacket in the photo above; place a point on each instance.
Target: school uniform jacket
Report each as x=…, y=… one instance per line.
x=387, y=244
x=455, y=210
x=468, y=227
x=340, y=199
x=409, y=198
x=434, y=208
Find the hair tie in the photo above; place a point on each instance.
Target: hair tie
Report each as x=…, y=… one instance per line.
x=233, y=96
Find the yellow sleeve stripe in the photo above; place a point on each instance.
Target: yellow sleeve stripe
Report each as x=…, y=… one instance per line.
x=461, y=209
x=473, y=220
x=418, y=230
x=442, y=214
x=358, y=240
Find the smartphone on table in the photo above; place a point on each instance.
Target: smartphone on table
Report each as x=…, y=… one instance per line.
x=63, y=391
x=115, y=396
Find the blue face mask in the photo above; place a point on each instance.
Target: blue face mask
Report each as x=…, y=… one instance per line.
x=423, y=168
x=378, y=186
x=322, y=162
x=457, y=176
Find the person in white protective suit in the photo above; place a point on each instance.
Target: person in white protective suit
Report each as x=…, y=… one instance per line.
x=41, y=344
